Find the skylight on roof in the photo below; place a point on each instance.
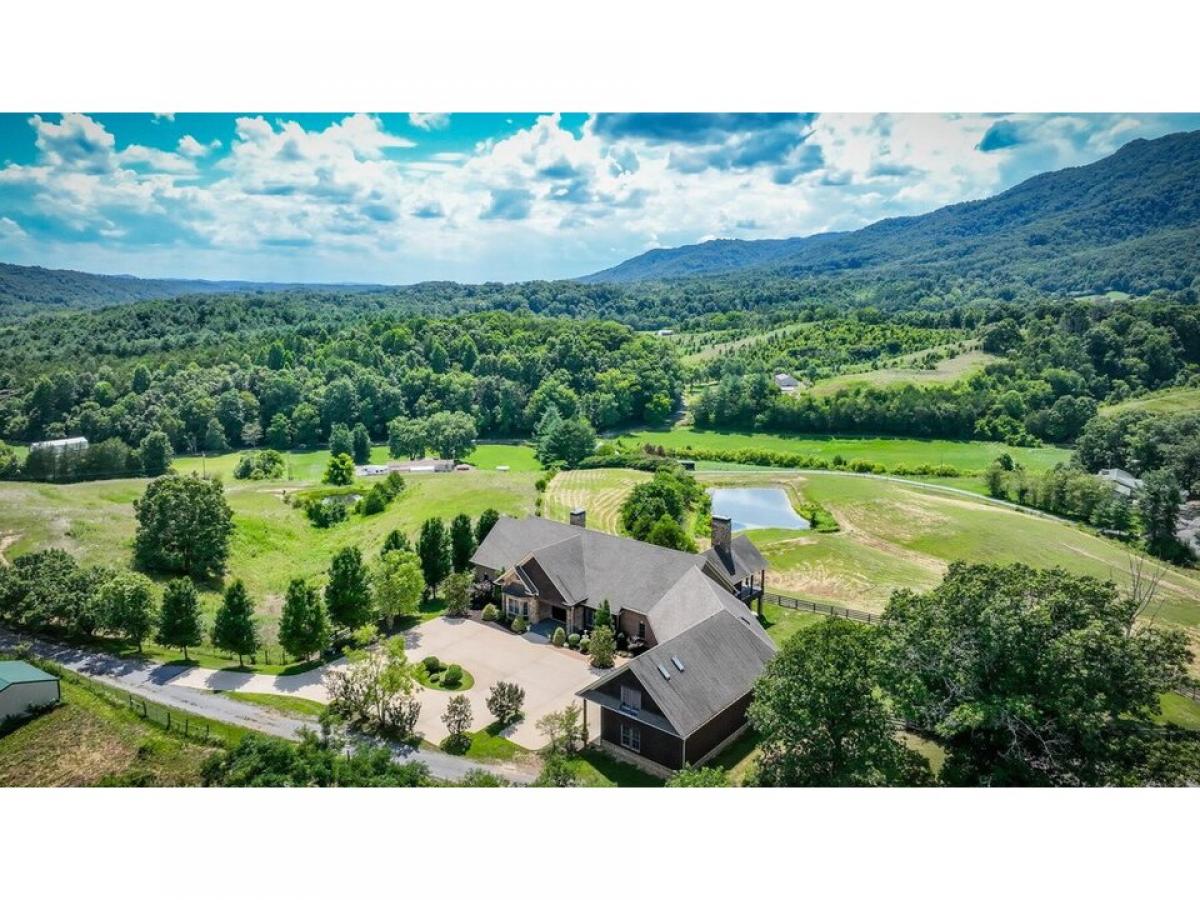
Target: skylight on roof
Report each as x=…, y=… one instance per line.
x=662, y=670
x=678, y=663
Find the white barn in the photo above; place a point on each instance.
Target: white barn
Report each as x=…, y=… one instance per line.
x=24, y=687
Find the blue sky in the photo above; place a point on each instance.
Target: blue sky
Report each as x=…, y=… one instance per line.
x=398, y=198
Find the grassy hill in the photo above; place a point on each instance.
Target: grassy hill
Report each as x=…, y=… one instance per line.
x=946, y=370
x=1129, y=220
x=1175, y=400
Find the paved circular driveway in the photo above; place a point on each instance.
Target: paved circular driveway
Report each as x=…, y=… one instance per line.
x=549, y=675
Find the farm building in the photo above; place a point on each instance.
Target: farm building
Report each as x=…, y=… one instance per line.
x=62, y=445
x=1125, y=482
x=786, y=382
x=24, y=687
x=421, y=465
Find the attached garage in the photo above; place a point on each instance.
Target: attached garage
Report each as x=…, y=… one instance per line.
x=24, y=687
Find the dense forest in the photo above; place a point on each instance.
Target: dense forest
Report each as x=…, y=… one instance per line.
x=251, y=373
x=1060, y=361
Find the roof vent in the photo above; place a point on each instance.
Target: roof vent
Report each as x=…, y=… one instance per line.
x=678, y=662
x=662, y=670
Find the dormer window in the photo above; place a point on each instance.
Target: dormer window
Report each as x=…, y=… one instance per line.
x=631, y=698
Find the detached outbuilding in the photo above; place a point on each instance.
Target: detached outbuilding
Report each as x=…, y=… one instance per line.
x=24, y=687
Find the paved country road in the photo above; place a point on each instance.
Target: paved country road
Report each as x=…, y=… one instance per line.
x=153, y=682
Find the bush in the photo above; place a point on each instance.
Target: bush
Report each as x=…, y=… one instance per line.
x=490, y=613
x=325, y=514
x=574, y=639
x=453, y=676
x=260, y=464
x=584, y=643
x=519, y=625
x=432, y=665
x=559, y=637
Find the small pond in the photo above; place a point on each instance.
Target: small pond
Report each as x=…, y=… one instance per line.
x=756, y=508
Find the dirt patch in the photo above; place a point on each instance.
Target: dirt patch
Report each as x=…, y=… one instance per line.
x=7, y=540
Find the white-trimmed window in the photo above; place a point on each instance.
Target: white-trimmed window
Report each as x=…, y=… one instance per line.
x=631, y=738
x=631, y=697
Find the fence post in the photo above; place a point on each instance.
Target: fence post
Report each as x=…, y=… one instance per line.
x=168, y=719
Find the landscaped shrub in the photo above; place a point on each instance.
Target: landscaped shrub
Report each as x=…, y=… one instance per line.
x=574, y=639
x=505, y=700
x=453, y=676
x=584, y=643
x=519, y=625
x=559, y=637
x=432, y=664
x=490, y=613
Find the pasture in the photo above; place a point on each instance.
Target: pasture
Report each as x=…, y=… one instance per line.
x=599, y=491
x=968, y=455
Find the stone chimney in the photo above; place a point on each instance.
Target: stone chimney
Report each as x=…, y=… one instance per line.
x=579, y=517
x=722, y=533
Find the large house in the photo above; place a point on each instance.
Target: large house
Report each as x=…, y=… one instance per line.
x=686, y=695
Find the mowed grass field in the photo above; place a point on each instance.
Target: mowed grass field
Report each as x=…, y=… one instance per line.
x=1176, y=400
x=906, y=372
x=599, y=491
x=968, y=455
x=273, y=542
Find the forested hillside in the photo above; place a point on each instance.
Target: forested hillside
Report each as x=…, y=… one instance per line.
x=1130, y=222
x=29, y=289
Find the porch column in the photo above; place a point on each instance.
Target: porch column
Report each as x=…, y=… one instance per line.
x=586, y=736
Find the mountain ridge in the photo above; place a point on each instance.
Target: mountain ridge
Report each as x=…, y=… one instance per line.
x=1145, y=187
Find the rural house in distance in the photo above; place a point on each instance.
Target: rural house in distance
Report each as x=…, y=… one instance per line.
x=686, y=695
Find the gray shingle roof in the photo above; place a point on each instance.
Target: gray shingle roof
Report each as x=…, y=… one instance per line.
x=722, y=657
x=740, y=562
x=511, y=540
x=19, y=672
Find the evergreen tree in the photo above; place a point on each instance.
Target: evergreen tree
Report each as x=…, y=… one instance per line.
x=303, y=624
x=141, y=380
x=179, y=622
x=485, y=523
x=462, y=542
x=348, y=592
x=603, y=647
x=434, y=550
x=214, y=437
x=234, y=630
x=603, y=617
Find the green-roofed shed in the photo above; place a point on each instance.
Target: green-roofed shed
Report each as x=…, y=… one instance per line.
x=24, y=687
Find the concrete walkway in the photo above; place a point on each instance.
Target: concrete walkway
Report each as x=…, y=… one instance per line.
x=190, y=690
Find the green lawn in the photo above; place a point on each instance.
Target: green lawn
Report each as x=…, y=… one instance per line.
x=593, y=768
x=518, y=457
x=1179, y=710
x=490, y=744
x=273, y=542
x=967, y=455
x=1175, y=400
x=300, y=706
x=434, y=682
x=781, y=623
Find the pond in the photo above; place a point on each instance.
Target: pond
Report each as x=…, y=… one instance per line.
x=756, y=508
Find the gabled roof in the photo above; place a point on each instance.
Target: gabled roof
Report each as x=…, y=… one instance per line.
x=785, y=380
x=589, y=566
x=17, y=672
x=693, y=598
x=511, y=540
x=740, y=561
x=722, y=657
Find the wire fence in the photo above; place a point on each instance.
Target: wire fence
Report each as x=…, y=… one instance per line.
x=171, y=720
